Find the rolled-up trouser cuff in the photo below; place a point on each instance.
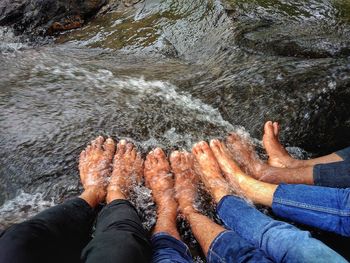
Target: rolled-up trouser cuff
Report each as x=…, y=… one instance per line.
x=344, y=154
x=332, y=174
x=169, y=249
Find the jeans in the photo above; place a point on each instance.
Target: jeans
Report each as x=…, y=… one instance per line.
x=59, y=234
x=280, y=241
x=321, y=207
x=227, y=247
x=167, y=249
x=335, y=174
x=344, y=154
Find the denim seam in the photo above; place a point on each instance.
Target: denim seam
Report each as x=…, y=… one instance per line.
x=211, y=251
x=165, y=234
x=317, y=175
x=311, y=207
x=343, y=154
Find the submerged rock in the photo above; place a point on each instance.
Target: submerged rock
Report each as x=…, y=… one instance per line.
x=41, y=17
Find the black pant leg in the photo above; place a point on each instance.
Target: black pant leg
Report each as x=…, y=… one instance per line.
x=119, y=236
x=57, y=234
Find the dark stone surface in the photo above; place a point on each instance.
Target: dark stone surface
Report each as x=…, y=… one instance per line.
x=41, y=17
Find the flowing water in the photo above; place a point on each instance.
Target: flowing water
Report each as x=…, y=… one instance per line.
x=168, y=74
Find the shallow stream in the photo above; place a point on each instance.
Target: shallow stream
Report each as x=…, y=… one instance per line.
x=168, y=74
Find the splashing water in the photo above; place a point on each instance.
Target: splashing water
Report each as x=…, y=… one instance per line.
x=169, y=74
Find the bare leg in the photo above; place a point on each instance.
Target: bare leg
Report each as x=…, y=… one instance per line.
x=244, y=154
x=255, y=190
x=127, y=171
x=160, y=181
x=95, y=167
x=186, y=183
x=279, y=157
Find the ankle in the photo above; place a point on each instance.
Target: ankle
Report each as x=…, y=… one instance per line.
x=259, y=167
x=163, y=225
x=165, y=199
x=294, y=163
x=219, y=193
x=93, y=196
x=187, y=211
x=167, y=210
x=114, y=194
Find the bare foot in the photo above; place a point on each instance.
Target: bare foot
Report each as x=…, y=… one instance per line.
x=210, y=171
x=95, y=167
x=230, y=168
x=244, y=185
x=186, y=180
x=245, y=156
x=278, y=156
x=159, y=179
x=127, y=171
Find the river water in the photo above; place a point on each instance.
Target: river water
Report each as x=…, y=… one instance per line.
x=168, y=74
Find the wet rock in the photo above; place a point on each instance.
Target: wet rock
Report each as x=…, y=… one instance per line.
x=306, y=40
x=41, y=17
x=128, y=3
x=294, y=68
x=313, y=29
x=309, y=98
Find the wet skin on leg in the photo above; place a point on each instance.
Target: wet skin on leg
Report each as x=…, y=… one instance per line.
x=159, y=179
x=95, y=167
x=258, y=192
x=244, y=154
x=186, y=184
x=279, y=157
x=127, y=171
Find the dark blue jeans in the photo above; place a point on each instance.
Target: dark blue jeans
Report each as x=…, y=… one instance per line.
x=253, y=237
x=321, y=207
x=227, y=247
x=167, y=249
x=230, y=247
x=334, y=174
x=280, y=241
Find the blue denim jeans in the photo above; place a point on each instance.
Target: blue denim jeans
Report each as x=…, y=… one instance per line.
x=334, y=174
x=227, y=247
x=322, y=207
x=280, y=241
x=167, y=249
x=344, y=154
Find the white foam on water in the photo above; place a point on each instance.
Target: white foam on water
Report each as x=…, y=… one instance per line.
x=170, y=93
x=135, y=90
x=22, y=207
x=9, y=42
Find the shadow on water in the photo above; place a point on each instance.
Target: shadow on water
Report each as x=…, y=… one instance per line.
x=168, y=73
